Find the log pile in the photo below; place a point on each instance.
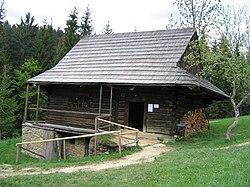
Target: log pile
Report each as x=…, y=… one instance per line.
x=195, y=121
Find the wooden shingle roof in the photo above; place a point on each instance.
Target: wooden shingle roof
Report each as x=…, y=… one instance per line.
x=138, y=58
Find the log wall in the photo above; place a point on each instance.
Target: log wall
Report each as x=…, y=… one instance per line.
x=173, y=103
x=60, y=97
x=160, y=120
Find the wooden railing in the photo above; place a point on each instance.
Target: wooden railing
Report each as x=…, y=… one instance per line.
x=124, y=130
x=99, y=130
x=19, y=145
x=67, y=112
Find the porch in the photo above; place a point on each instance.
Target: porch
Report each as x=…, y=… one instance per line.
x=47, y=140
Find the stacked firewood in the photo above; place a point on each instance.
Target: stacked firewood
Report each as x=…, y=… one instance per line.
x=195, y=121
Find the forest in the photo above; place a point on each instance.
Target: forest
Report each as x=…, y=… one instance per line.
x=27, y=49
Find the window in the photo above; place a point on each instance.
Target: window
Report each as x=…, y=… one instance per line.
x=79, y=103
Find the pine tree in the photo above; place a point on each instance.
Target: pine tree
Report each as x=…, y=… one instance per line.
x=70, y=37
x=107, y=29
x=7, y=106
x=46, y=45
x=3, y=49
x=86, y=27
x=29, y=69
x=25, y=38
x=2, y=11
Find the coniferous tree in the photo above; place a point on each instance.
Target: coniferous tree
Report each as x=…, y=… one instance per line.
x=86, y=27
x=107, y=29
x=4, y=59
x=25, y=38
x=7, y=106
x=2, y=11
x=45, y=46
x=70, y=36
x=30, y=68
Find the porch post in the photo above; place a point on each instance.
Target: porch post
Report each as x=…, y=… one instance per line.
x=96, y=121
x=37, y=102
x=100, y=101
x=110, y=102
x=26, y=104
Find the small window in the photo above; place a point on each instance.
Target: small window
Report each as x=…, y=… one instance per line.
x=79, y=103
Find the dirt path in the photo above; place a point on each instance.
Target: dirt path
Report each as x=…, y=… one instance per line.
x=151, y=148
x=236, y=145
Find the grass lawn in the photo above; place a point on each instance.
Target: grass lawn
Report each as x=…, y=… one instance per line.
x=8, y=156
x=193, y=161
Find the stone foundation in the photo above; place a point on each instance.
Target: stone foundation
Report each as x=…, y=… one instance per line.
x=77, y=147
x=32, y=133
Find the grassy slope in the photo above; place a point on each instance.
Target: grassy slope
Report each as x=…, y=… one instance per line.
x=8, y=156
x=192, y=162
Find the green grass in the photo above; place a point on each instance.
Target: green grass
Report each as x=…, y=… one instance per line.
x=193, y=161
x=8, y=155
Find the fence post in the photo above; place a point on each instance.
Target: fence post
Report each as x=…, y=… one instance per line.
x=136, y=138
x=95, y=136
x=64, y=149
x=17, y=153
x=120, y=144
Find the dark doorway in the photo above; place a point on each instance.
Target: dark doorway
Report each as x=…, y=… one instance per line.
x=136, y=114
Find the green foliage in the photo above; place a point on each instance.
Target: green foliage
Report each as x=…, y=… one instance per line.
x=46, y=39
x=3, y=49
x=7, y=107
x=201, y=160
x=86, y=27
x=74, y=31
x=29, y=69
x=2, y=11
x=25, y=38
x=197, y=14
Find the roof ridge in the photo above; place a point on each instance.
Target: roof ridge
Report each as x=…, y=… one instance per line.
x=190, y=29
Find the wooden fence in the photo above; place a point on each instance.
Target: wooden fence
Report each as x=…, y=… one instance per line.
x=99, y=129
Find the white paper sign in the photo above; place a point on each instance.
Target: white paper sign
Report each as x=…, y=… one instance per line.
x=150, y=108
x=156, y=106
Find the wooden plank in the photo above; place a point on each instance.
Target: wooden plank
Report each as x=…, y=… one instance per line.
x=17, y=153
x=82, y=130
x=110, y=102
x=33, y=152
x=64, y=149
x=67, y=111
x=100, y=101
x=49, y=148
x=68, y=138
x=117, y=124
x=26, y=104
x=120, y=144
x=37, y=102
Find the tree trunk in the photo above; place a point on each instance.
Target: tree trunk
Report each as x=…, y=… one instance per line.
x=235, y=123
x=236, y=111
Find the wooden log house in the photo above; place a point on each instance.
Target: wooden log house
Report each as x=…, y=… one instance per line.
x=137, y=79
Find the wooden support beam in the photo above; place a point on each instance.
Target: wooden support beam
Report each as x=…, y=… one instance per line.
x=26, y=104
x=110, y=103
x=64, y=149
x=17, y=153
x=37, y=102
x=136, y=139
x=120, y=144
x=100, y=101
x=96, y=130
